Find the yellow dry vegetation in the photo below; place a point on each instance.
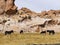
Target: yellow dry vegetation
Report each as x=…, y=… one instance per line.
x=29, y=38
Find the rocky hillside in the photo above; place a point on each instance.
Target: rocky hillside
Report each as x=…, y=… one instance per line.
x=27, y=20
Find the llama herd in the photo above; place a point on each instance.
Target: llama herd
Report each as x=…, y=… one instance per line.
x=9, y=32
x=42, y=32
x=49, y=31
x=34, y=21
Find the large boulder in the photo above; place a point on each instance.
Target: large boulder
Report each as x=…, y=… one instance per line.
x=10, y=7
x=7, y=6
x=27, y=11
x=2, y=6
x=52, y=12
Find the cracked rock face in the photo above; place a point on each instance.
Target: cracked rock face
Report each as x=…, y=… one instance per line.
x=7, y=6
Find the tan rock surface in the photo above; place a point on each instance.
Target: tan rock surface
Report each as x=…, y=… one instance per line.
x=7, y=6
x=2, y=6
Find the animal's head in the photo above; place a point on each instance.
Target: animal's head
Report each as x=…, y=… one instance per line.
x=47, y=30
x=12, y=31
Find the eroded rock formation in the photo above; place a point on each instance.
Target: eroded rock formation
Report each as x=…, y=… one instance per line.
x=2, y=6
x=10, y=7
x=26, y=11
x=7, y=6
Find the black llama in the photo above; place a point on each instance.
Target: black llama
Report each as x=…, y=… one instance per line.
x=51, y=32
x=8, y=32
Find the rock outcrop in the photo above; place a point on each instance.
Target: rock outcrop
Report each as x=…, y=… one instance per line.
x=7, y=6
x=10, y=7
x=49, y=14
x=2, y=6
x=26, y=11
